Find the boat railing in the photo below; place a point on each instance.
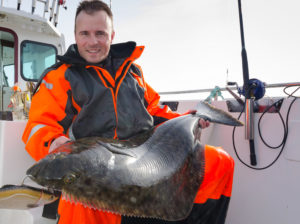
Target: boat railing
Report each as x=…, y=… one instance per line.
x=208, y=90
x=52, y=9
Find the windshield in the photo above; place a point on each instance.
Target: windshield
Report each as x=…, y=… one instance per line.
x=36, y=57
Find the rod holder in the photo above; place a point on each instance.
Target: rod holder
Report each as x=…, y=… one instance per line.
x=249, y=129
x=249, y=119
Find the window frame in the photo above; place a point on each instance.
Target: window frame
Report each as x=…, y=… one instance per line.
x=21, y=56
x=16, y=49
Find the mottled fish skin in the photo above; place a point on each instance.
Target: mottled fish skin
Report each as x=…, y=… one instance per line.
x=156, y=174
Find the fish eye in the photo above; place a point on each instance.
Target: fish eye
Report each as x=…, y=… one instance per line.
x=70, y=178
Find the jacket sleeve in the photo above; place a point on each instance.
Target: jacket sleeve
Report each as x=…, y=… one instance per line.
x=47, y=113
x=159, y=112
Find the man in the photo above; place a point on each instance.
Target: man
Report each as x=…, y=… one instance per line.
x=97, y=90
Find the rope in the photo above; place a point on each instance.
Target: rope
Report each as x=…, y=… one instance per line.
x=214, y=94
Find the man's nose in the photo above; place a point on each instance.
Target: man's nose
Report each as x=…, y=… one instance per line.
x=93, y=39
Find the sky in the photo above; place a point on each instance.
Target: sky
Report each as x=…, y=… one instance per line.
x=195, y=44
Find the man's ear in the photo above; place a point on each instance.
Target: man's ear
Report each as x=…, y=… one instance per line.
x=112, y=36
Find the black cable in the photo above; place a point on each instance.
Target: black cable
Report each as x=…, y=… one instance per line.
x=284, y=138
x=291, y=95
x=284, y=127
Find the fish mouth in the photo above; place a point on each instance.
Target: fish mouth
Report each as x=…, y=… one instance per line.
x=46, y=190
x=34, y=174
x=48, y=172
x=31, y=177
x=49, y=189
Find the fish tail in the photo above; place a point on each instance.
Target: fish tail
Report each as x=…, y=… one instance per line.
x=216, y=115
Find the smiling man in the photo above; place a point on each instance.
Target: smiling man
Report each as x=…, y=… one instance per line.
x=93, y=34
x=96, y=89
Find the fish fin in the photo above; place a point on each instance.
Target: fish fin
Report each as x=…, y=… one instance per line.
x=116, y=150
x=216, y=115
x=87, y=204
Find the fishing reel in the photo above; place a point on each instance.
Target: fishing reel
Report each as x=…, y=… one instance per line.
x=256, y=88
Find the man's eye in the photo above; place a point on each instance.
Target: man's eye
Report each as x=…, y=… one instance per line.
x=100, y=34
x=84, y=33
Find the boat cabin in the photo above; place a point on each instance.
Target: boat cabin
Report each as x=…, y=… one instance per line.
x=264, y=192
x=29, y=43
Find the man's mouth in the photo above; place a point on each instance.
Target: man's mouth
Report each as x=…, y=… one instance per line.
x=93, y=51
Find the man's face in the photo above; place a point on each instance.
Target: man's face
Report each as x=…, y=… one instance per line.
x=93, y=35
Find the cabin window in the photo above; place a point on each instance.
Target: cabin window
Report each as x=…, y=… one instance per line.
x=8, y=66
x=8, y=74
x=35, y=58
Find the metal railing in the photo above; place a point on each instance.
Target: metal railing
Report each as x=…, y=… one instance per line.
x=53, y=10
x=277, y=85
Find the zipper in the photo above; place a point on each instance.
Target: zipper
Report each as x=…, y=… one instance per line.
x=113, y=85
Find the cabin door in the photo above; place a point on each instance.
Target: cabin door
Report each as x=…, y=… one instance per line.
x=7, y=68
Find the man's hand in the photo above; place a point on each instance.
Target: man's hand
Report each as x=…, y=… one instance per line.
x=202, y=123
x=58, y=142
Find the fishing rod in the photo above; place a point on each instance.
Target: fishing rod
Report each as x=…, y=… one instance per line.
x=249, y=100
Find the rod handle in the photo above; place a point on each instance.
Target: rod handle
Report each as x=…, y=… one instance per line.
x=252, y=153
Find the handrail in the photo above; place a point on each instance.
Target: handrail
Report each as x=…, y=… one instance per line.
x=276, y=85
x=53, y=10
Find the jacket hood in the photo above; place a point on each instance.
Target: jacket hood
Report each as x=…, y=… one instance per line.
x=120, y=50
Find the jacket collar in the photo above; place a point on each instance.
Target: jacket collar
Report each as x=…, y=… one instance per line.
x=117, y=51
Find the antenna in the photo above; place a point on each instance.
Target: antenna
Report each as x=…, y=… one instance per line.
x=244, y=54
x=249, y=101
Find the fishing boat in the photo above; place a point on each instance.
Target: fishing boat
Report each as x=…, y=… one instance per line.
x=29, y=43
x=265, y=150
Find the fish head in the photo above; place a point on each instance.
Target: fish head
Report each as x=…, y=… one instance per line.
x=78, y=174
x=55, y=171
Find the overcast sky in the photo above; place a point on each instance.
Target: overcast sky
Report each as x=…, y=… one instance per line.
x=190, y=44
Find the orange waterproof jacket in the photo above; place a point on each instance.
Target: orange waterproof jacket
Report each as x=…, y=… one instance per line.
x=77, y=99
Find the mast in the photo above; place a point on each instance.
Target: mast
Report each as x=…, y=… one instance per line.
x=249, y=101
